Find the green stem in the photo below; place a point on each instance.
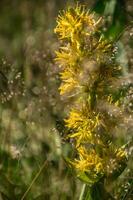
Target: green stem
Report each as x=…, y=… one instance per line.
x=82, y=192
x=85, y=193
x=95, y=192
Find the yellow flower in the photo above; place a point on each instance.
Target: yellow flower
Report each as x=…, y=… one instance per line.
x=68, y=56
x=88, y=161
x=74, y=24
x=84, y=124
x=121, y=154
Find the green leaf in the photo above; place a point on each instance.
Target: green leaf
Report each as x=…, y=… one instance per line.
x=83, y=177
x=99, y=7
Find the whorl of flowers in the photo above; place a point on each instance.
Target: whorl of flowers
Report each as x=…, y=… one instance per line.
x=88, y=72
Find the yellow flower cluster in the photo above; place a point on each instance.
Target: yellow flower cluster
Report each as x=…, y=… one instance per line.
x=84, y=124
x=88, y=161
x=74, y=23
x=87, y=71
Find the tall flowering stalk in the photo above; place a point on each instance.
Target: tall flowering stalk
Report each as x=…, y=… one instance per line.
x=88, y=73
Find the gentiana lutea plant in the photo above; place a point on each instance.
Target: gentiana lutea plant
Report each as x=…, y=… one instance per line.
x=89, y=74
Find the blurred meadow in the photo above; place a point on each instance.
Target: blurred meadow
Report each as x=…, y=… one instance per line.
x=32, y=144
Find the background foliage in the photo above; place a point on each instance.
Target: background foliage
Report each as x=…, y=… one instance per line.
x=31, y=111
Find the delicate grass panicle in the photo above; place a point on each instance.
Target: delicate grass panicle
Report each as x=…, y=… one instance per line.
x=88, y=72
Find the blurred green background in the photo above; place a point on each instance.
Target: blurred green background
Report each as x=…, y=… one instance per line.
x=31, y=110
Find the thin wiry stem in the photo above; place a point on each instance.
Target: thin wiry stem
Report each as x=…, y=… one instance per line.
x=34, y=179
